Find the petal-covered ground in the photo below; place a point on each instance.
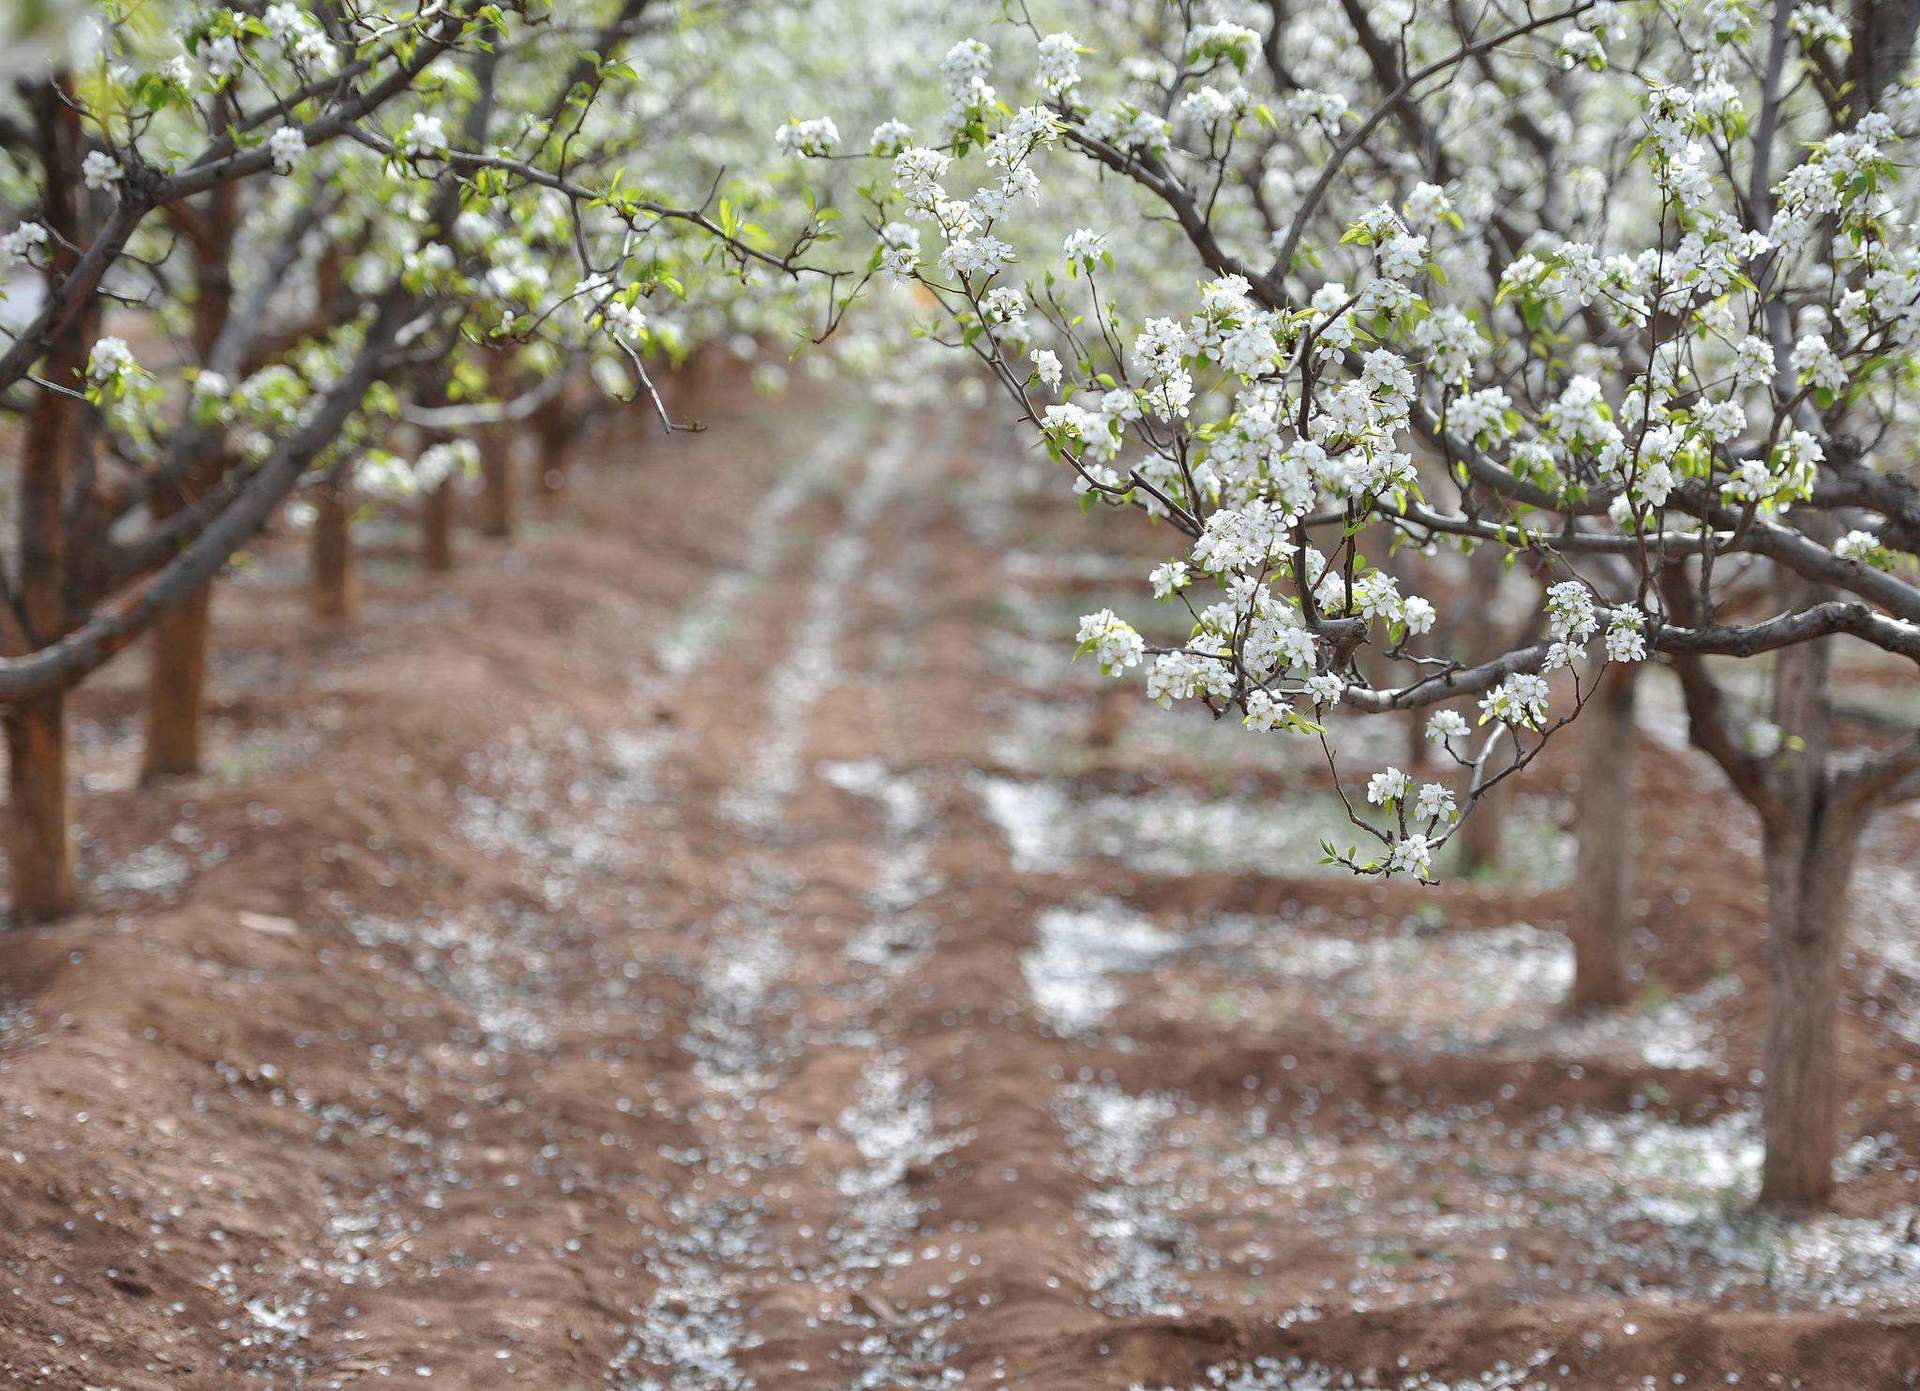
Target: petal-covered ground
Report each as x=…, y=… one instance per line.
x=720, y=941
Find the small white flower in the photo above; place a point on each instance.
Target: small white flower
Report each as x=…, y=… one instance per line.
x=810, y=139
x=101, y=170
x=1084, y=246
x=1764, y=738
x=1046, y=366
x=424, y=137
x=1816, y=24
x=1412, y=855
x=1234, y=42
x=1003, y=304
x=1435, y=801
x=1326, y=688
x=222, y=58
x=1752, y=361
x=1426, y=206
x=624, y=320
x=967, y=61
x=1626, y=639
x=1862, y=546
x=314, y=49
x=1266, y=711
x=286, y=22
x=966, y=257
x=1403, y=255
x=1579, y=47
x=1571, y=615
x=1816, y=364
x=16, y=248
x=286, y=145
x=900, y=253
x=1387, y=786
x=109, y=359
x=1112, y=640
x=1521, y=699
x=890, y=138
x=1059, y=64
x=1169, y=578
x=917, y=172
x=1443, y=725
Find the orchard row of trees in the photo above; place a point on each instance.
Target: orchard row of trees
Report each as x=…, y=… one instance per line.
x=314, y=252
x=1624, y=295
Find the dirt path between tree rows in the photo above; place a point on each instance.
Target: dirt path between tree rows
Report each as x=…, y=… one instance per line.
x=720, y=942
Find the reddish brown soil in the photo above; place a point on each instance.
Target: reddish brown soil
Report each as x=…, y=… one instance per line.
x=600, y=968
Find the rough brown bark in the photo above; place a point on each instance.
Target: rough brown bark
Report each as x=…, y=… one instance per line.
x=176, y=688
x=39, y=856
x=1883, y=34
x=1479, y=837
x=334, y=590
x=47, y=449
x=436, y=527
x=1419, y=751
x=1809, y=851
x=553, y=449
x=177, y=671
x=1112, y=713
x=550, y=472
x=1808, y=868
x=496, y=482
x=40, y=860
x=1603, y=917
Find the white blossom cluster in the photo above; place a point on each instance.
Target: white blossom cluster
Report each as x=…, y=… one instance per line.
x=1651, y=380
x=813, y=138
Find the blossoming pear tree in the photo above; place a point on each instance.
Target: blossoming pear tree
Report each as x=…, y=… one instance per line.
x=333, y=212
x=1629, y=293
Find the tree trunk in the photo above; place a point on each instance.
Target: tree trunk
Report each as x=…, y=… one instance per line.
x=551, y=474
x=334, y=591
x=1419, y=751
x=1808, y=869
x=436, y=528
x=1809, y=851
x=177, y=669
x=176, y=686
x=1604, y=915
x=553, y=449
x=496, y=482
x=1479, y=836
x=37, y=847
